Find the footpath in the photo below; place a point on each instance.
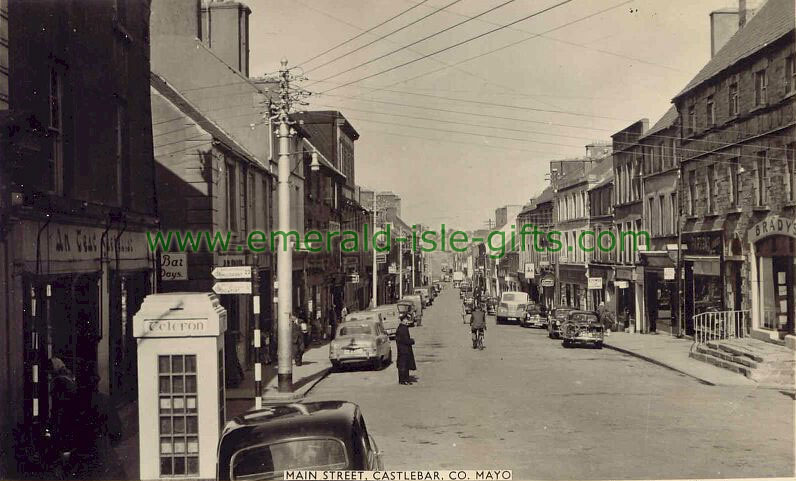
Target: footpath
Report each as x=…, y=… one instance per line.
x=672, y=352
x=315, y=366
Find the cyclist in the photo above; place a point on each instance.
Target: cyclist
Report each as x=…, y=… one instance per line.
x=477, y=322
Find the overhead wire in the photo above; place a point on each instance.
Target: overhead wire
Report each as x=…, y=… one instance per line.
x=358, y=35
x=441, y=9
x=428, y=37
x=458, y=44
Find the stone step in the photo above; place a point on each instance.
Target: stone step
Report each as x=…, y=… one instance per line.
x=736, y=350
x=722, y=363
x=726, y=356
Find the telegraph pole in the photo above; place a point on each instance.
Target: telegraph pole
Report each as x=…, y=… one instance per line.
x=375, y=280
x=280, y=111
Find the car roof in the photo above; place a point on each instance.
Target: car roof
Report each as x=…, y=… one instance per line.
x=371, y=319
x=384, y=307
x=278, y=422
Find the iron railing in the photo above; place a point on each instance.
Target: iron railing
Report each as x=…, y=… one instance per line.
x=719, y=325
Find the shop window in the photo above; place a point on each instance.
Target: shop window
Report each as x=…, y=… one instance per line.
x=178, y=409
x=761, y=174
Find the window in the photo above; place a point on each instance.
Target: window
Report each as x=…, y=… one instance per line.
x=761, y=87
x=692, y=192
x=650, y=216
x=733, y=100
x=229, y=207
x=662, y=164
x=734, y=182
x=270, y=461
x=711, y=111
x=663, y=212
x=178, y=412
x=56, y=184
x=709, y=181
x=761, y=171
x=790, y=74
x=675, y=216
x=790, y=159
x=691, y=119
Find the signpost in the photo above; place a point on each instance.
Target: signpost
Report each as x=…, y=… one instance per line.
x=595, y=282
x=232, y=272
x=381, y=258
x=232, y=288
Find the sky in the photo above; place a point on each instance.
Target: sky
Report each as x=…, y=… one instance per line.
x=456, y=136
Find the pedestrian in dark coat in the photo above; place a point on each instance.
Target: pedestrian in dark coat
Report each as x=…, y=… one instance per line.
x=332, y=323
x=298, y=341
x=101, y=429
x=406, y=355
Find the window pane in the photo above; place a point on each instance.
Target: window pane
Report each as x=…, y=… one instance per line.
x=179, y=465
x=179, y=425
x=165, y=405
x=193, y=465
x=190, y=404
x=193, y=425
x=165, y=425
x=193, y=445
x=163, y=364
x=165, y=446
x=179, y=446
x=190, y=363
x=176, y=364
x=178, y=385
x=165, y=385
x=190, y=383
x=165, y=466
x=178, y=404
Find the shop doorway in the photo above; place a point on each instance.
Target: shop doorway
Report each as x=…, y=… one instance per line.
x=776, y=266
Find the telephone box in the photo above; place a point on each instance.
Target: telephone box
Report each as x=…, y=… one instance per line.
x=181, y=411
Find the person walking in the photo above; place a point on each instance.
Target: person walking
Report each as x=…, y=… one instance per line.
x=406, y=355
x=332, y=323
x=63, y=390
x=298, y=341
x=100, y=430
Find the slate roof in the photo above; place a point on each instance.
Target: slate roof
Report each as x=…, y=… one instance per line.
x=668, y=119
x=774, y=20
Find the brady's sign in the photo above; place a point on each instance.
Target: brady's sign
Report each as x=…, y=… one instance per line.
x=772, y=225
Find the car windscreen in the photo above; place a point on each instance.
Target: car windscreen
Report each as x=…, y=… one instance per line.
x=356, y=329
x=403, y=308
x=271, y=460
x=583, y=317
x=509, y=298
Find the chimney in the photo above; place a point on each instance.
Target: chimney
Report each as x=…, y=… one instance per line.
x=175, y=17
x=225, y=30
x=747, y=9
x=723, y=25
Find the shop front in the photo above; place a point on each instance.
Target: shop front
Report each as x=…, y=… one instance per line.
x=79, y=287
x=703, y=276
x=625, y=288
x=773, y=256
x=660, y=292
x=574, y=286
x=604, y=294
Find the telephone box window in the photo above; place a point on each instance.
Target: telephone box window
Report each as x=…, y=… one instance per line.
x=179, y=424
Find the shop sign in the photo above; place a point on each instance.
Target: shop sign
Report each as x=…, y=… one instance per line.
x=392, y=269
x=60, y=242
x=381, y=258
x=706, y=243
x=622, y=284
x=232, y=272
x=595, y=282
x=353, y=278
x=548, y=281
x=544, y=263
x=174, y=266
x=563, y=259
x=530, y=270
x=232, y=288
x=231, y=260
x=772, y=225
x=350, y=261
x=668, y=273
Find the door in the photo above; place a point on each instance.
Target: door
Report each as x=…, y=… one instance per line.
x=783, y=293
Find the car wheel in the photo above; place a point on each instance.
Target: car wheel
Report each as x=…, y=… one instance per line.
x=389, y=357
x=598, y=344
x=498, y=320
x=336, y=365
x=566, y=343
x=377, y=364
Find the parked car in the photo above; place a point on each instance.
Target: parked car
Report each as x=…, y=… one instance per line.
x=555, y=319
x=511, y=307
x=465, y=288
x=407, y=309
x=417, y=299
x=361, y=341
x=582, y=327
x=491, y=305
x=327, y=435
x=423, y=293
x=534, y=317
x=390, y=317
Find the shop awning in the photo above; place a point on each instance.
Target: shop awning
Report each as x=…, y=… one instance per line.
x=705, y=265
x=658, y=259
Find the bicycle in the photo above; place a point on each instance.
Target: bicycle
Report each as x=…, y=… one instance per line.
x=479, y=340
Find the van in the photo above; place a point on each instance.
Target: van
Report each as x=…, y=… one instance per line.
x=418, y=301
x=512, y=306
x=390, y=317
